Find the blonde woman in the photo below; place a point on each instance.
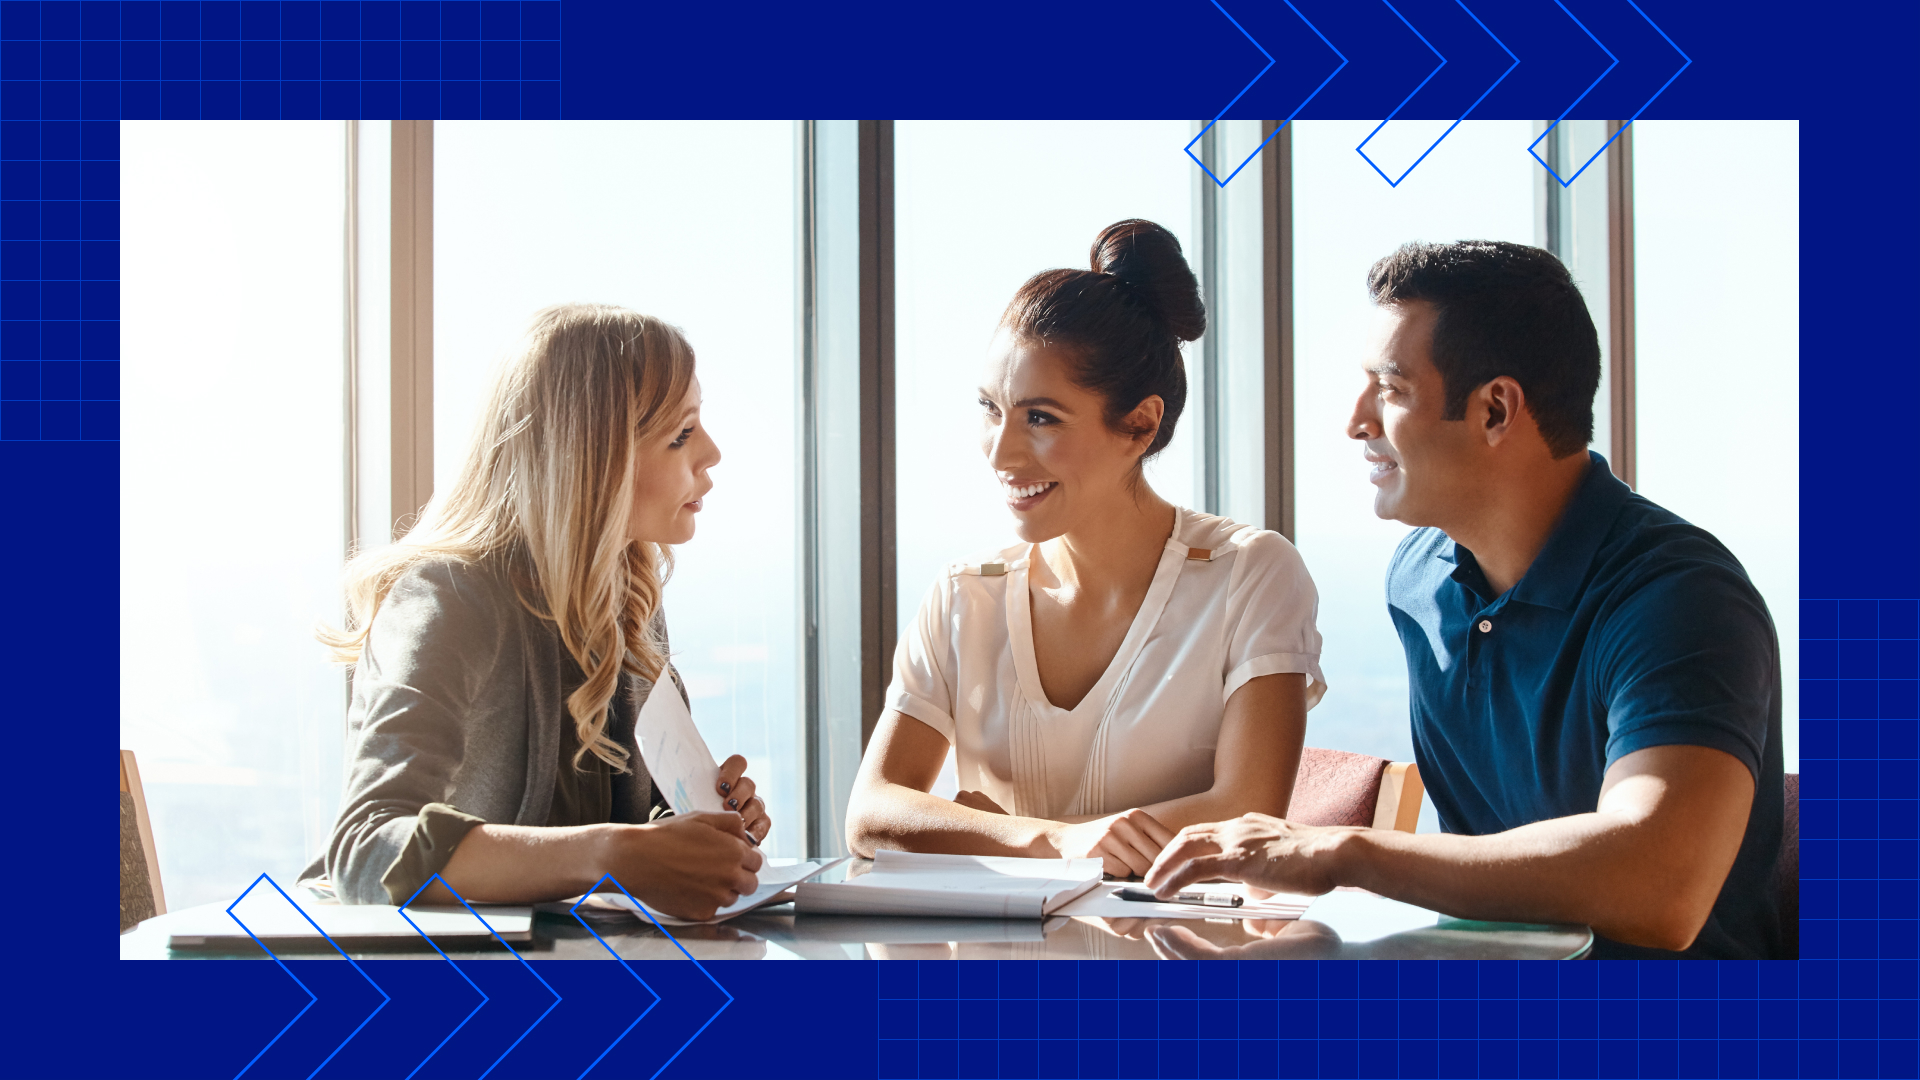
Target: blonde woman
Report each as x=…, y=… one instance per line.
x=504, y=646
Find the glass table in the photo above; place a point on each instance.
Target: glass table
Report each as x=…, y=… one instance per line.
x=1345, y=924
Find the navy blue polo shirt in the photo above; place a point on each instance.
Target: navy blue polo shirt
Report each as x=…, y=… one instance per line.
x=1630, y=629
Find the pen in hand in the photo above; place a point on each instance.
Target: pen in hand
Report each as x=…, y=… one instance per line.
x=1203, y=897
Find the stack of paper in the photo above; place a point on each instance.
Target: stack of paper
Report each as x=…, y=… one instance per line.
x=954, y=886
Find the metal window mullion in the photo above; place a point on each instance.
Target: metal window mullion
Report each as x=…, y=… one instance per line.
x=878, y=587
x=412, y=320
x=1212, y=243
x=812, y=677
x=1276, y=178
x=351, y=350
x=350, y=356
x=1620, y=313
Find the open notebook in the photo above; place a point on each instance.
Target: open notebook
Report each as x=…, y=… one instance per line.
x=958, y=886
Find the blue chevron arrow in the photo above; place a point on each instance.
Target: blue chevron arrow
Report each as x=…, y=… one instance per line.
x=1643, y=107
x=1362, y=148
x=311, y=998
x=384, y=999
x=642, y=908
x=1243, y=93
x=456, y=967
x=575, y=912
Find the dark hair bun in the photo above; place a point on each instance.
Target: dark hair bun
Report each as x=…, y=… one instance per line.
x=1122, y=322
x=1147, y=258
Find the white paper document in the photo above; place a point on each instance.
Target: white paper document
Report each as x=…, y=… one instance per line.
x=1103, y=903
x=1359, y=916
x=774, y=880
x=955, y=886
x=677, y=757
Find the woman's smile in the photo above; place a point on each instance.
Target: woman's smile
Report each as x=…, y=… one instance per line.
x=1027, y=494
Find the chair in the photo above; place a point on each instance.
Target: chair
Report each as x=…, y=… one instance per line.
x=1786, y=872
x=140, y=894
x=1335, y=787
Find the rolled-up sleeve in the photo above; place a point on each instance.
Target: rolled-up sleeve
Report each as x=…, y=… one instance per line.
x=433, y=641
x=437, y=830
x=921, y=687
x=1272, y=611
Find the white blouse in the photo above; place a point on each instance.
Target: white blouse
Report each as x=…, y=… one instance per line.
x=1228, y=603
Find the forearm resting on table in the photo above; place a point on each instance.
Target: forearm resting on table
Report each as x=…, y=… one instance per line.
x=1643, y=869
x=891, y=808
x=894, y=816
x=518, y=864
x=1256, y=760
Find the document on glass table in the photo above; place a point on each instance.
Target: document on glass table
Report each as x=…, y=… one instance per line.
x=774, y=882
x=954, y=886
x=677, y=757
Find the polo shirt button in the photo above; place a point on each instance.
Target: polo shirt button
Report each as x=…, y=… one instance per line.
x=1486, y=626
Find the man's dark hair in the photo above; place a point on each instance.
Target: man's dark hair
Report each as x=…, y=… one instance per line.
x=1503, y=309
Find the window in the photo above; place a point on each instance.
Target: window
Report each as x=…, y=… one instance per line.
x=231, y=493
x=1717, y=282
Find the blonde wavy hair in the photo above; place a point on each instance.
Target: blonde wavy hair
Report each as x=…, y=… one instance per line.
x=546, y=491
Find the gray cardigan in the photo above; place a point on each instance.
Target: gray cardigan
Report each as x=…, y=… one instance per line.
x=458, y=698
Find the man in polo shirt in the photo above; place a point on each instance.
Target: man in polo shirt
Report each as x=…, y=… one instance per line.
x=1595, y=682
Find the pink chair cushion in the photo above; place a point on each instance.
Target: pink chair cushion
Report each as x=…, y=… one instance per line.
x=1335, y=787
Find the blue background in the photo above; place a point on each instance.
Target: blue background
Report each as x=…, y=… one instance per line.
x=69, y=71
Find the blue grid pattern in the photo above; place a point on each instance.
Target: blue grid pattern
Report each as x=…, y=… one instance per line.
x=69, y=72
x=59, y=280
x=267, y=59
x=1394, y=1019
x=1860, y=784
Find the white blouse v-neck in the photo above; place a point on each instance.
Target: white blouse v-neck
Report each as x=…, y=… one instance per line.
x=1147, y=730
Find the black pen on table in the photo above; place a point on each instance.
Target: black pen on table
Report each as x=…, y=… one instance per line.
x=1203, y=897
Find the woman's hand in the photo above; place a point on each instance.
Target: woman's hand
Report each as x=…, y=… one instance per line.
x=1126, y=843
x=688, y=866
x=736, y=791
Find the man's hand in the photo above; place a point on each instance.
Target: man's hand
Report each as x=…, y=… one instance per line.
x=1643, y=868
x=1266, y=852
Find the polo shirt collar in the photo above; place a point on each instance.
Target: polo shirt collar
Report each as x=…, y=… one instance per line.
x=1557, y=574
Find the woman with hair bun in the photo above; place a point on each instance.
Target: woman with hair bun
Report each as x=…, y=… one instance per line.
x=1130, y=667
